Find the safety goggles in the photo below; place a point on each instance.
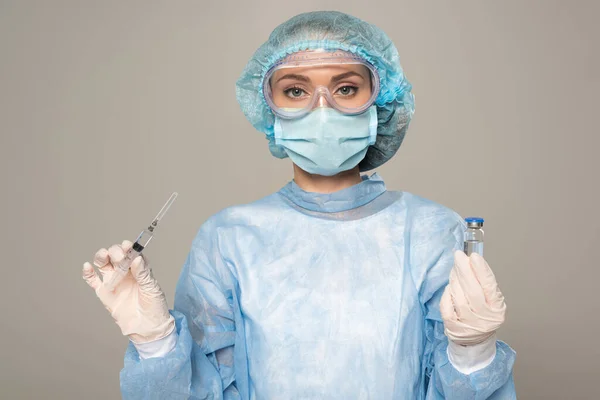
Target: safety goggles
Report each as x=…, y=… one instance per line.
x=318, y=78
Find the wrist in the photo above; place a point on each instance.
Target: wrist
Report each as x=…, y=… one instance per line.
x=471, y=358
x=157, y=348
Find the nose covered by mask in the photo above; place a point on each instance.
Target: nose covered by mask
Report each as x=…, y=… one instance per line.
x=325, y=141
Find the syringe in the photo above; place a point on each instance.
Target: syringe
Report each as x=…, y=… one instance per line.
x=140, y=244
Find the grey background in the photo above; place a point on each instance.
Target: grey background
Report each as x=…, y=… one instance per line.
x=107, y=107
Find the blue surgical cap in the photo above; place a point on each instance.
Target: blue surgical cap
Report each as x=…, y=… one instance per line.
x=332, y=30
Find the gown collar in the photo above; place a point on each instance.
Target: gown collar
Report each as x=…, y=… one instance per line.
x=350, y=198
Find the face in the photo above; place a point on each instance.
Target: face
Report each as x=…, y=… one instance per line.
x=348, y=84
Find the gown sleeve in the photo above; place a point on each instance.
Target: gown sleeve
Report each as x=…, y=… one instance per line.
x=201, y=365
x=441, y=379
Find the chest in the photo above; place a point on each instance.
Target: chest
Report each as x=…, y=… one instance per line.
x=329, y=283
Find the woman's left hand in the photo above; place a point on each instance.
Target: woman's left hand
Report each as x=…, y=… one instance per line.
x=472, y=305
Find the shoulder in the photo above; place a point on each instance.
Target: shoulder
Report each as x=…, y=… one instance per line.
x=238, y=217
x=425, y=217
x=426, y=207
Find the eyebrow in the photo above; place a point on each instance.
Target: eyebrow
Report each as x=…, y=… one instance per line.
x=295, y=76
x=345, y=75
x=334, y=79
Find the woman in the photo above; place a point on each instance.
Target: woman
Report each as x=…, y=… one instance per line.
x=333, y=287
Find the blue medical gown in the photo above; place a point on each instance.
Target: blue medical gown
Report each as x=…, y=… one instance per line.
x=317, y=296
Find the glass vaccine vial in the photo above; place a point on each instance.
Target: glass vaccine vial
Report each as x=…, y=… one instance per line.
x=474, y=236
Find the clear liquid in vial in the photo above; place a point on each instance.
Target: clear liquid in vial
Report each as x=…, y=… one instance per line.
x=473, y=246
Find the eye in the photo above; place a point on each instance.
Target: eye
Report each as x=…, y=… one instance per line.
x=347, y=90
x=294, y=92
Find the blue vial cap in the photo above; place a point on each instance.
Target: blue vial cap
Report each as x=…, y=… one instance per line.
x=474, y=220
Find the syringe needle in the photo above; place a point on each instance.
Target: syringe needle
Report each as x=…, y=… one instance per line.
x=164, y=209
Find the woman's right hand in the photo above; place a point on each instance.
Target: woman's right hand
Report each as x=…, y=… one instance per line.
x=137, y=303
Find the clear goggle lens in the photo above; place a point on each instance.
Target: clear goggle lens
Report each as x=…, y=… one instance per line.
x=309, y=79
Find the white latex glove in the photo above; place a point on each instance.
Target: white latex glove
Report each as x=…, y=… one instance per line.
x=472, y=305
x=137, y=303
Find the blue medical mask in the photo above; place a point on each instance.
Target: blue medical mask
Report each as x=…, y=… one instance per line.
x=325, y=141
